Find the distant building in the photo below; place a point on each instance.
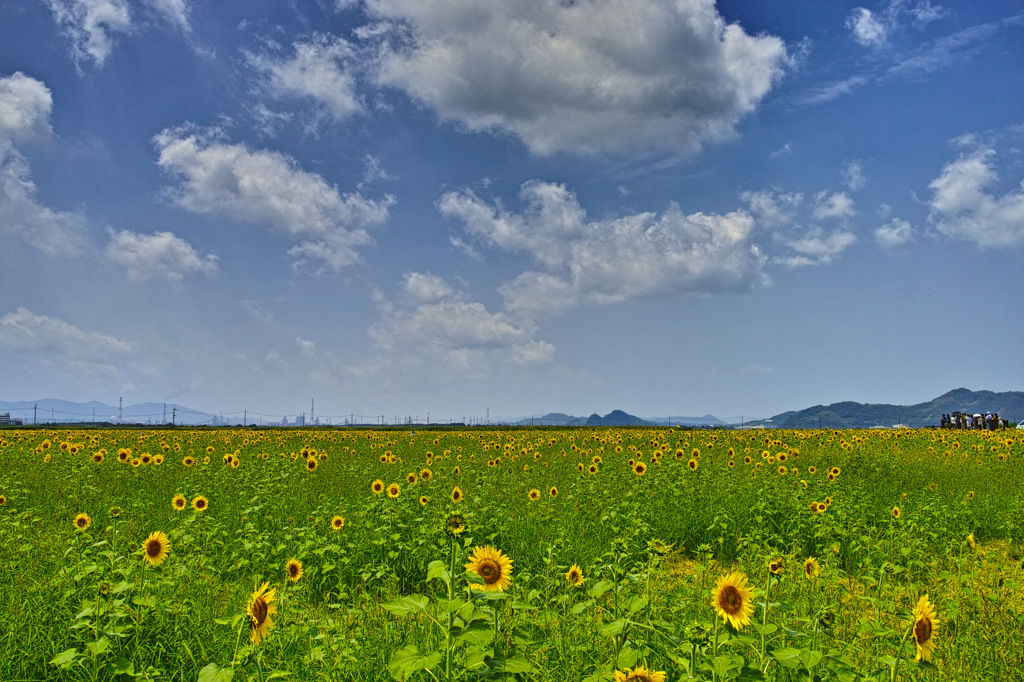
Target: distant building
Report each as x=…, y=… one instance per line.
x=5, y=420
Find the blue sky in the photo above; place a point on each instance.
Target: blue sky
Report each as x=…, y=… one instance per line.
x=405, y=207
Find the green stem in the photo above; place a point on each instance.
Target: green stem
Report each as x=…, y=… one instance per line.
x=714, y=674
x=899, y=654
x=764, y=614
x=448, y=649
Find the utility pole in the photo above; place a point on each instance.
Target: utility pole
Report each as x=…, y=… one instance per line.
x=34, y=408
x=174, y=415
x=312, y=419
x=245, y=417
x=120, y=410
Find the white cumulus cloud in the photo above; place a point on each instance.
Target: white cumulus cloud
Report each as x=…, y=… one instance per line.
x=24, y=329
x=321, y=69
x=835, y=205
x=25, y=105
x=609, y=261
x=618, y=76
x=92, y=25
x=267, y=187
x=174, y=11
x=161, y=255
x=896, y=232
x=815, y=246
x=867, y=28
x=963, y=208
x=431, y=322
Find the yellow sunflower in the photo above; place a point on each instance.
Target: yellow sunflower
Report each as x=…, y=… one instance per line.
x=337, y=522
x=394, y=490
x=896, y=513
x=534, y=495
x=692, y=464
x=260, y=609
x=456, y=494
x=455, y=525
x=82, y=522
x=424, y=499
x=811, y=567
x=732, y=599
x=494, y=567
x=200, y=503
x=640, y=468
x=639, y=674
x=925, y=625
x=575, y=576
x=154, y=549
x=294, y=568
x=553, y=492
x=777, y=565
x=378, y=487
x=179, y=502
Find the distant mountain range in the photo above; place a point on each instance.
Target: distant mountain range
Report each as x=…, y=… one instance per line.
x=51, y=411
x=850, y=415
x=845, y=415
x=616, y=418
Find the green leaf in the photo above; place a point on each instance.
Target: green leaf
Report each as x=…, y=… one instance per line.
x=724, y=664
x=404, y=606
x=99, y=646
x=408, y=660
x=600, y=587
x=213, y=673
x=516, y=664
x=810, y=658
x=449, y=605
x=612, y=629
x=788, y=657
x=65, y=658
x=637, y=603
x=121, y=666
x=436, y=570
x=583, y=606
x=627, y=658
x=232, y=621
x=477, y=634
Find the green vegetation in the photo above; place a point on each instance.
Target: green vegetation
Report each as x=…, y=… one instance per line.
x=609, y=553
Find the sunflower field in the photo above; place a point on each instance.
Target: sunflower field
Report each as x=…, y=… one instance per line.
x=639, y=554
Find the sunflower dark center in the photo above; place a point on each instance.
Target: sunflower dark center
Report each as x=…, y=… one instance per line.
x=153, y=548
x=489, y=571
x=259, y=611
x=293, y=570
x=81, y=523
x=923, y=630
x=730, y=600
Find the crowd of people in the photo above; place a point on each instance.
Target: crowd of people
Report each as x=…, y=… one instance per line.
x=958, y=420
